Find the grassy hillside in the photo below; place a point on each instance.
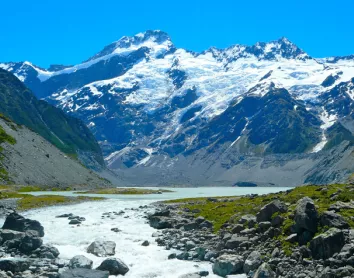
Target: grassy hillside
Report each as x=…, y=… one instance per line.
x=67, y=133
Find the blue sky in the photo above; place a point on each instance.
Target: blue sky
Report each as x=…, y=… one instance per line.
x=67, y=32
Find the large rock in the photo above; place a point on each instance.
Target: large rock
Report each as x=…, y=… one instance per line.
x=114, y=266
x=338, y=206
x=17, y=222
x=325, y=245
x=30, y=243
x=47, y=251
x=159, y=222
x=102, y=248
x=84, y=273
x=306, y=216
x=235, y=241
x=264, y=271
x=228, y=264
x=252, y=262
x=265, y=214
x=80, y=261
x=14, y=264
x=332, y=219
x=6, y=235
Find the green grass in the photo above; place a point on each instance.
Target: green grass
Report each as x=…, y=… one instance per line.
x=33, y=202
x=231, y=211
x=124, y=191
x=27, y=201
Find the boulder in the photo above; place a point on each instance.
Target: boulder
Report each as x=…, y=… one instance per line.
x=14, y=264
x=145, y=243
x=80, y=261
x=102, y=248
x=165, y=212
x=265, y=214
x=248, y=219
x=237, y=228
x=190, y=226
x=206, y=224
x=74, y=222
x=235, y=241
x=47, y=251
x=306, y=216
x=228, y=264
x=84, y=273
x=325, y=245
x=263, y=226
x=252, y=262
x=114, y=266
x=6, y=235
x=16, y=222
x=338, y=206
x=332, y=219
x=30, y=243
x=264, y=271
x=158, y=222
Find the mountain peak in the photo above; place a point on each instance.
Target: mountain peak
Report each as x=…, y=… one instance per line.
x=149, y=39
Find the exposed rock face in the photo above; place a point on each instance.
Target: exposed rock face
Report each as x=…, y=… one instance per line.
x=332, y=219
x=114, y=266
x=102, y=248
x=17, y=222
x=265, y=214
x=264, y=271
x=325, y=245
x=228, y=264
x=84, y=273
x=306, y=219
x=80, y=261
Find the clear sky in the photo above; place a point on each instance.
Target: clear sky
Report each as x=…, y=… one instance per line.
x=69, y=31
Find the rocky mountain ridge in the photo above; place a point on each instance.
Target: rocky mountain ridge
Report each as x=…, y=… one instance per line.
x=208, y=118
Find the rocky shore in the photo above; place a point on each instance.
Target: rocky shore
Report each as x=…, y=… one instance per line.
x=288, y=236
x=23, y=254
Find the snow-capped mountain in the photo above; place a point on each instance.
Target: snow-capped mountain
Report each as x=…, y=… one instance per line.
x=166, y=113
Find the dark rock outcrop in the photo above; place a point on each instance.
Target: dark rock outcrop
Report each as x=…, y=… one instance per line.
x=16, y=222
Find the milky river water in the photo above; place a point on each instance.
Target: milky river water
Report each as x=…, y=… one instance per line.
x=144, y=262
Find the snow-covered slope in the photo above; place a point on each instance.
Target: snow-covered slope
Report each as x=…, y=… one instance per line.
x=145, y=98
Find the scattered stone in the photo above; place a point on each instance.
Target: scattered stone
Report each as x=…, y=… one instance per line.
x=116, y=230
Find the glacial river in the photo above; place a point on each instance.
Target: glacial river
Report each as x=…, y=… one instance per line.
x=144, y=262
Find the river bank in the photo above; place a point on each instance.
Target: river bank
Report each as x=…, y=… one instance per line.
x=130, y=230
